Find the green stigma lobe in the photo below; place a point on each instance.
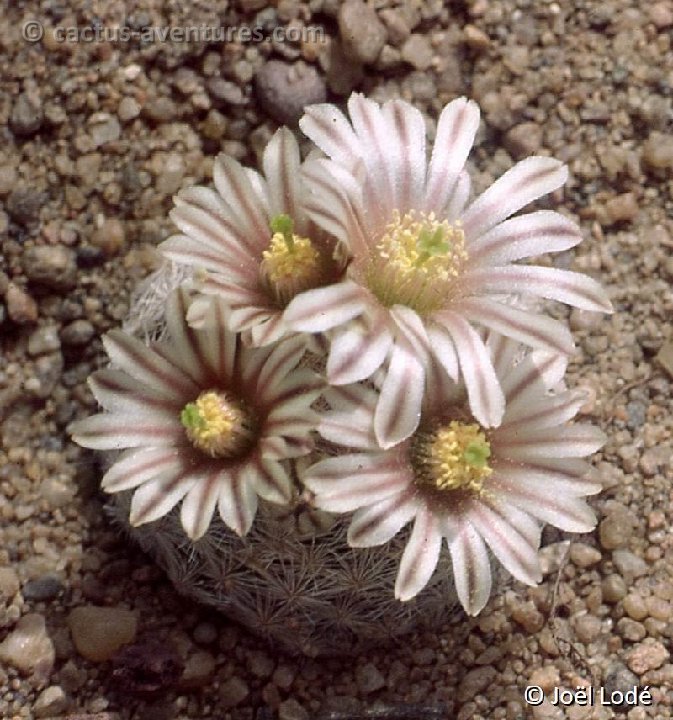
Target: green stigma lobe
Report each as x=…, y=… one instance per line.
x=190, y=417
x=476, y=454
x=284, y=225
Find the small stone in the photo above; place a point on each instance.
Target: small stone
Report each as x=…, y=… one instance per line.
x=147, y=669
x=226, y=91
x=397, y=24
x=587, y=628
x=260, y=664
x=283, y=677
x=284, y=89
x=659, y=609
x=615, y=530
x=635, y=607
x=98, y=632
x=44, y=340
x=48, y=369
x=584, y=555
x=418, y=52
x=475, y=681
x=51, y=701
x=628, y=565
x=613, y=588
x=160, y=110
x=128, y=109
x=368, y=678
x=619, y=679
x=622, y=208
x=215, y=125
x=109, y=236
x=23, y=205
x=654, y=459
x=204, y=633
x=647, y=655
x=46, y=587
x=233, y=692
x=104, y=129
x=53, y=266
x=546, y=677
x=658, y=152
x=661, y=14
x=475, y=38
x=199, y=669
x=291, y=710
x=77, y=333
x=523, y=140
x=27, y=114
x=28, y=647
x=665, y=357
x=171, y=175
x=8, y=178
x=528, y=616
x=21, y=307
x=361, y=31
x=9, y=583
x=631, y=630
x=341, y=73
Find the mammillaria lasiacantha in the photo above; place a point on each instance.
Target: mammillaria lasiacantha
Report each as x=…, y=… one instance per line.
x=351, y=354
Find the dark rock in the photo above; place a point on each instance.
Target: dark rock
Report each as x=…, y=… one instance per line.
x=284, y=89
x=23, y=205
x=53, y=266
x=46, y=587
x=27, y=114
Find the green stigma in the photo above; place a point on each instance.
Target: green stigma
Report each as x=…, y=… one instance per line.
x=477, y=453
x=191, y=418
x=430, y=244
x=284, y=225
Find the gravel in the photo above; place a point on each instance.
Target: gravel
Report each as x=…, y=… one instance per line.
x=98, y=136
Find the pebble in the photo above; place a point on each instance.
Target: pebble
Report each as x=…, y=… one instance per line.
x=128, y=109
x=46, y=587
x=628, y=565
x=98, y=632
x=615, y=530
x=8, y=178
x=342, y=75
x=528, y=616
x=661, y=14
x=635, y=607
x=362, y=33
x=631, y=630
x=397, y=24
x=291, y=710
x=233, y=691
x=584, y=555
x=52, y=266
x=285, y=89
x=476, y=38
x=9, y=583
x=51, y=701
x=160, y=110
x=613, y=588
x=23, y=205
x=204, y=633
x=619, y=678
x=369, y=678
x=417, y=51
x=47, y=372
x=171, y=175
x=199, y=669
x=27, y=114
x=260, y=664
x=77, y=333
x=104, y=129
x=226, y=91
x=654, y=459
x=283, y=677
x=21, y=307
x=109, y=236
x=44, y=340
x=523, y=140
x=546, y=677
x=28, y=647
x=587, y=628
x=475, y=681
x=647, y=655
x=622, y=208
x=657, y=153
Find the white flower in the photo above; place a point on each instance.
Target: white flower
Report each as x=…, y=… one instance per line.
x=201, y=420
x=426, y=265
x=477, y=488
x=255, y=241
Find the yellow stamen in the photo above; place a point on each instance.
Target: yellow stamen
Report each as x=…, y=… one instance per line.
x=452, y=457
x=417, y=262
x=291, y=264
x=217, y=425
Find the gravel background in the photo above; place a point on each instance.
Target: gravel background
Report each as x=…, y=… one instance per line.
x=96, y=138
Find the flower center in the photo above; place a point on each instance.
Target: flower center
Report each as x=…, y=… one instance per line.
x=452, y=457
x=291, y=264
x=417, y=262
x=218, y=425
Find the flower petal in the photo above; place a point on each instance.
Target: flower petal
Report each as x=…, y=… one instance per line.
x=357, y=351
x=155, y=498
x=557, y=411
x=199, y=504
x=487, y=401
x=398, y=411
x=271, y=480
x=420, y=556
x=348, y=482
x=564, y=286
x=567, y=442
x=330, y=130
x=526, y=181
x=118, y=392
x=327, y=307
x=281, y=163
x=525, y=236
x=115, y=431
x=443, y=349
x=456, y=128
x=137, y=466
x=378, y=523
x=237, y=502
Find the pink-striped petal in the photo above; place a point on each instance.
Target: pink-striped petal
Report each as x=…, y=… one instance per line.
x=271, y=480
x=196, y=511
x=443, y=349
x=233, y=293
x=529, y=328
x=487, y=402
x=459, y=197
x=526, y=181
x=137, y=466
x=217, y=346
x=564, y=286
x=275, y=447
x=186, y=250
x=398, y=411
x=568, y=442
x=185, y=342
x=558, y=410
x=330, y=130
x=280, y=360
x=281, y=163
x=346, y=483
x=471, y=565
x=378, y=523
x=525, y=236
x=109, y=431
x=327, y=307
x=569, y=475
x=155, y=498
x=420, y=556
x=358, y=350
x=237, y=502
x=457, y=126
x=117, y=392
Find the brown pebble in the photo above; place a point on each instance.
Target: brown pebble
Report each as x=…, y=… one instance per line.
x=98, y=632
x=109, y=236
x=648, y=655
x=21, y=307
x=613, y=588
x=622, y=208
x=583, y=555
x=635, y=606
